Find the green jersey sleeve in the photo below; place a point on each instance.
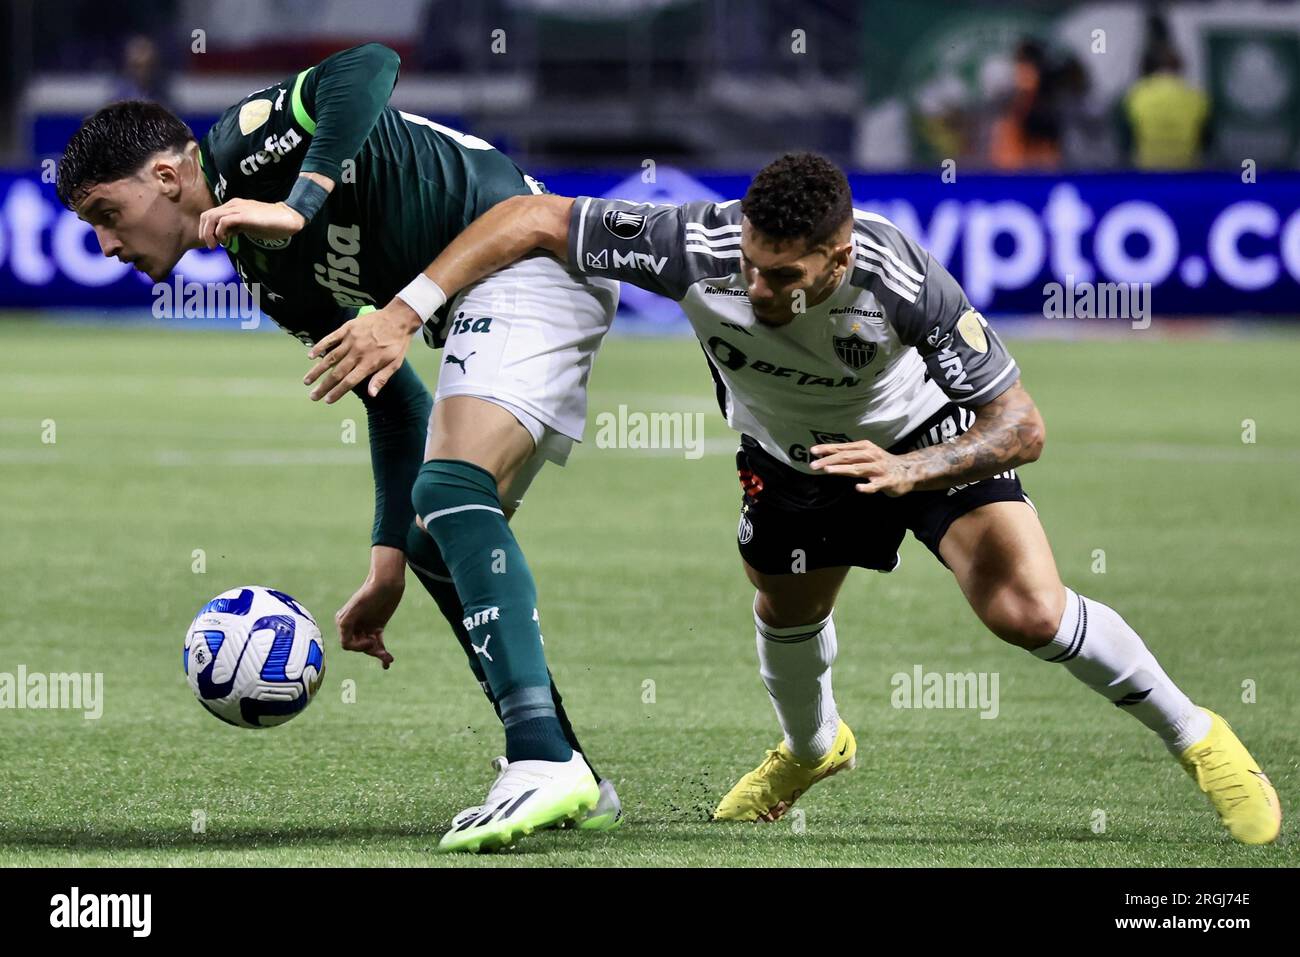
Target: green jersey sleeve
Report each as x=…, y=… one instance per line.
x=338, y=102
x=397, y=421
x=312, y=122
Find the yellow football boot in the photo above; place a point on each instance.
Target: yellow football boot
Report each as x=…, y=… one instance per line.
x=1242, y=794
x=771, y=789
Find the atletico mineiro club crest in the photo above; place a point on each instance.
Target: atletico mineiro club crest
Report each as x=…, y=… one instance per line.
x=854, y=351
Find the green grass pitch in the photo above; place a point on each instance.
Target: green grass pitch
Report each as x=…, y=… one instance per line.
x=171, y=441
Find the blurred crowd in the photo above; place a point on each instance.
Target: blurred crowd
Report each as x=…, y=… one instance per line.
x=1041, y=116
x=715, y=83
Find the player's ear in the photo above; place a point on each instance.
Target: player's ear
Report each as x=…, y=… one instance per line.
x=841, y=253
x=165, y=173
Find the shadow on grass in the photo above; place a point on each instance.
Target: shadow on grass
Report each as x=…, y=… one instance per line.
x=218, y=837
x=15, y=838
x=822, y=831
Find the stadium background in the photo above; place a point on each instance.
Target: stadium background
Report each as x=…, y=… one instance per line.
x=995, y=133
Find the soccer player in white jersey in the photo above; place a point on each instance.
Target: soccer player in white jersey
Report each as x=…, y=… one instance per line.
x=871, y=400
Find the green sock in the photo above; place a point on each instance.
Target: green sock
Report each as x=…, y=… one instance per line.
x=460, y=509
x=431, y=571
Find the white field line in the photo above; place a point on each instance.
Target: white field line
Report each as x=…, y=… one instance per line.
x=650, y=402
x=149, y=384
x=232, y=431
x=270, y=455
x=185, y=458
x=245, y=458
x=1188, y=452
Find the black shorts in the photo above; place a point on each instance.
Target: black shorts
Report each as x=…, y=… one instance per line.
x=793, y=522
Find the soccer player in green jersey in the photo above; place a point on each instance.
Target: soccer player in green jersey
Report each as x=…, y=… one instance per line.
x=330, y=202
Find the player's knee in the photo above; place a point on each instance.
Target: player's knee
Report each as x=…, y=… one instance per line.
x=422, y=552
x=791, y=611
x=1025, y=620
x=444, y=484
x=426, y=495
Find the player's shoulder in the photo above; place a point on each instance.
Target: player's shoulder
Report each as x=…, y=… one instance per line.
x=707, y=214
x=710, y=239
x=886, y=259
x=666, y=248
x=252, y=140
x=627, y=218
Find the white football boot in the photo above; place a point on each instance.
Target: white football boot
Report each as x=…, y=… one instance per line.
x=526, y=796
x=608, y=812
x=605, y=816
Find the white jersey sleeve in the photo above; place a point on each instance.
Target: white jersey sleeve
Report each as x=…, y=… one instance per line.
x=665, y=249
x=930, y=311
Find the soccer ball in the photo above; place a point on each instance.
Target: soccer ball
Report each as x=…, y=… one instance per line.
x=254, y=657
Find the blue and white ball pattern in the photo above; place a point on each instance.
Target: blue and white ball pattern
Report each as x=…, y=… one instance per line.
x=254, y=657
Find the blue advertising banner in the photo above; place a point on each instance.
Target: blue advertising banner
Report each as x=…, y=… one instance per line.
x=1207, y=244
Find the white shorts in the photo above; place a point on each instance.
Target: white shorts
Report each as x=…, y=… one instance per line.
x=525, y=339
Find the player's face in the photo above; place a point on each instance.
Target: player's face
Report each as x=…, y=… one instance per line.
x=139, y=220
x=786, y=277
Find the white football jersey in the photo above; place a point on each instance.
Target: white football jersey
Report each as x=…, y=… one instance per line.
x=894, y=343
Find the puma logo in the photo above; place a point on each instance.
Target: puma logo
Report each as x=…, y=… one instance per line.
x=482, y=649
x=461, y=362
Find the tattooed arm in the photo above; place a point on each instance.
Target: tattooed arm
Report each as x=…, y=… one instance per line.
x=1008, y=432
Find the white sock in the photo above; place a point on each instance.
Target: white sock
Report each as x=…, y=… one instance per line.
x=795, y=664
x=1099, y=648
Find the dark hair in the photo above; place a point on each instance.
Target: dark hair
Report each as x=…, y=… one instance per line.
x=799, y=196
x=114, y=143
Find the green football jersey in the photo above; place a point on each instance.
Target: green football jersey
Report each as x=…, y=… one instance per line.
x=404, y=187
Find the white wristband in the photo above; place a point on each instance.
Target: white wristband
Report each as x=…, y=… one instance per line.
x=424, y=296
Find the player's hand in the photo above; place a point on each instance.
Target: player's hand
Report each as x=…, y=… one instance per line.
x=371, y=346
x=362, y=620
x=248, y=216
x=879, y=470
